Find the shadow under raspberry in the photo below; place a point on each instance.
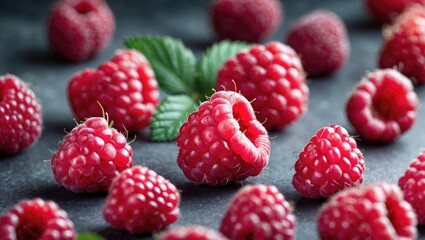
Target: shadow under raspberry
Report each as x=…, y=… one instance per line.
x=110, y=233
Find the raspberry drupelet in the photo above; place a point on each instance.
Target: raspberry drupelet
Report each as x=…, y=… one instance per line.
x=272, y=78
x=412, y=184
x=20, y=115
x=259, y=212
x=36, y=219
x=141, y=201
x=404, y=45
x=383, y=106
x=125, y=86
x=191, y=232
x=222, y=141
x=330, y=162
x=91, y=156
x=373, y=211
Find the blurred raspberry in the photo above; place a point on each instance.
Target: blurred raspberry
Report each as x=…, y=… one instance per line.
x=321, y=40
x=404, y=45
x=386, y=11
x=246, y=20
x=80, y=29
x=20, y=115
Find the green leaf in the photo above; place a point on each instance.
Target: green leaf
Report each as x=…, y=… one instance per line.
x=172, y=62
x=88, y=236
x=171, y=113
x=211, y=62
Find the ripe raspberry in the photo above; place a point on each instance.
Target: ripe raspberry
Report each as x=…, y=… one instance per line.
x=383, y=106
x=386, y=11
x=412, y=184
x=404, y=45
x=272, y=78
x=80, y=29
x=141, y=201
x=374, y=211
x=246, y=20
x=329, y=163
x=91, y=156
x=192, y=232
x=222, y=141
x=125, y=86
x=20, y=115
x=259, y=212
x=320, y=38
x=36, y=219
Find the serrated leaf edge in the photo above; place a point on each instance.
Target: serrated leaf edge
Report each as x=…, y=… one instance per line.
x=167, y=132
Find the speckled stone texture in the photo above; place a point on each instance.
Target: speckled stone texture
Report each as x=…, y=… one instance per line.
x=24, y=52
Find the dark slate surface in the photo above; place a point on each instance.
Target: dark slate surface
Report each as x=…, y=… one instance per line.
x=24, y=52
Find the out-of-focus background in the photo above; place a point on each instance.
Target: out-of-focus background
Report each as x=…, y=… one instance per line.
x=24, y=51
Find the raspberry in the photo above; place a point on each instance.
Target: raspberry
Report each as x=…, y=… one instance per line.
x=80, y=29
x=91, y=156
x=192, y=232
x=246, y=20
x=383, y=106
x=259, y=212
x=320, y=38
x=141, y=201
x=36, y=219
x=222, y=141
x=125, y=86
x=272, y=78
x=329, y=163
x=386, y=11
x=374, y=211
x=404, y=45
x=20, y=115
x=412, y=184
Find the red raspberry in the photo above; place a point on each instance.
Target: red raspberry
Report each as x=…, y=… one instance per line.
x=20, y=115
x=374, y=211
x=386, y=11
x=222, y=141
x=125, y=86
x=141, y=201
x=383, y=106
x=320, y=38
x=192, y=232
x=80, y=29
x=404, y=45
x=412, y=184
x=329, y=163
x=36, y=219
x=272, y=78
x=91, y=156
x=246, y=20
x=259, y=212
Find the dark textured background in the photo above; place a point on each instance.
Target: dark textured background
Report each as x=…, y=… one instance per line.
x=24, y=52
